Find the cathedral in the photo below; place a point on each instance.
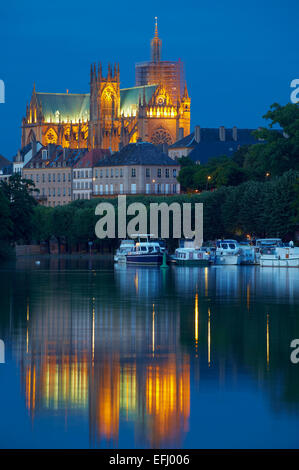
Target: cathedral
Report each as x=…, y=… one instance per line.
x=156, y=110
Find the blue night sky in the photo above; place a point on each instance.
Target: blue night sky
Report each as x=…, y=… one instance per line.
x=239, y=57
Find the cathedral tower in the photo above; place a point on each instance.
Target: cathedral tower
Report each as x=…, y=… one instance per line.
x=104, y=107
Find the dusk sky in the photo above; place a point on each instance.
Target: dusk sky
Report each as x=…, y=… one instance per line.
x=239, y=57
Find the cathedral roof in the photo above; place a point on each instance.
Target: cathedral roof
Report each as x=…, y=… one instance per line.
x=141, y=153
x=71, y=107
x=129, y=97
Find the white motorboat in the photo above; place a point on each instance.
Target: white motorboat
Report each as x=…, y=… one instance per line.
x=264, y=243
x=279, y=257
x=228, y=252
x=125, y=247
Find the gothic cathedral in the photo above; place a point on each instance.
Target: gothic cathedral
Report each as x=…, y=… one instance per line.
x=156, y=110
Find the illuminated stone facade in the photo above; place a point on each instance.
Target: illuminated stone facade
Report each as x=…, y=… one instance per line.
x=157, y=110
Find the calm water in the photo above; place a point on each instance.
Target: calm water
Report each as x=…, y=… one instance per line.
x=104, y=356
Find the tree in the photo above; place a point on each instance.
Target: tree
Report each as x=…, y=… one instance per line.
x=19, y=193
x=280, y=150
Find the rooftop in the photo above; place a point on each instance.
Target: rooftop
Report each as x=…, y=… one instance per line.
x=91, y=158
x=140, y=153
x=56, y=157
x=70, y=106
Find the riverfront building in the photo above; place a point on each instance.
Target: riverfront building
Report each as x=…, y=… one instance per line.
x=206, y=143
x=51, y=170
x=139, y=168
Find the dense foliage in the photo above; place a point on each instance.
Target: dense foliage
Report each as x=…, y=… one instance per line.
x=276, y=152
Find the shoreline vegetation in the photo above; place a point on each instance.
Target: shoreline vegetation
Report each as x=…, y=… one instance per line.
x=255, y=193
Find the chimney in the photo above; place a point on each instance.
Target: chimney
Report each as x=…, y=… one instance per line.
x=235, y=133
x=181, y=133
x=165, y=148
x=197, y=134
x=33, y=147
x=222, y=133
x=65, y=150
x=51, y=148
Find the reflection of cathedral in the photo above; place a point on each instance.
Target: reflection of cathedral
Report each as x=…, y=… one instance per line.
x=157, y=110
x=119, y=364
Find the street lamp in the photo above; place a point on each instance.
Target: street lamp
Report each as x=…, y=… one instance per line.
x=208, y=179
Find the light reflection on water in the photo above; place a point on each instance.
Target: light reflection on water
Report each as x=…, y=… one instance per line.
x=145, y=357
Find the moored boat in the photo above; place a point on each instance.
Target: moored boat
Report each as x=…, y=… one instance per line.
x=228, y=252
x=279, y=257
x=265, y=243
x=145, y=252
x=121, y=254
x=190, y=255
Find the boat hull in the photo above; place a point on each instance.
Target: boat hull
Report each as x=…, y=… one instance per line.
x=147, y=259
x=227, y=259
x=192, y=262
x=279, y=263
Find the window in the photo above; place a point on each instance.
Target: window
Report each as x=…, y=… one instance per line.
x=63, y=177
x=147, y=173
x=148, y=188
x=174, y=172
x=43, y=192
x=49, y=177
x=101, y=189
x=53, y=177
x=166, y=188
x=37, y=178
x=106, y=188
x=49, y=192
x=101, y=174
x=116, y=172
x=96, y=173
x=121, y=188
x=133, y=188
x=58, y=192
x=121, y=173
x=159, y=173
x=96, y=189
x=69, y=191
x=174, y=188
x=44, y=154
x=133, y=173
x=58, y=177
x=111, y=173
x=107, y=173
x=167, y=173
x=69, y=178
x=64, y=191
x=111, y=188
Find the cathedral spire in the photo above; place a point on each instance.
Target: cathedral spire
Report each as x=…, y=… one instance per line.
x=185, y=95
x=156, y=44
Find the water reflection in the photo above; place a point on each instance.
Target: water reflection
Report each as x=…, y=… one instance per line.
x=129, y=346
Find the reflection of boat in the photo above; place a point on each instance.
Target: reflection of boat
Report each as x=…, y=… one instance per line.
x=228, y=252
x=145, y=252
x=189, y=255
x=279, y=257
x=123, y=250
